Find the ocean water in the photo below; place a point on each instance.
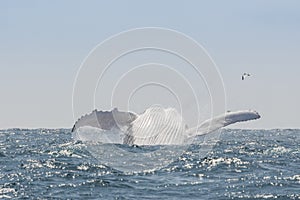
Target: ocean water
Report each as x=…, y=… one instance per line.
x=242, y=164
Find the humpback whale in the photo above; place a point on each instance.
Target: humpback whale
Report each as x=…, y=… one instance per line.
x=156, y=125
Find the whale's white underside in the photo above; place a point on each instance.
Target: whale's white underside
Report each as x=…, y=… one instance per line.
x=155, y=126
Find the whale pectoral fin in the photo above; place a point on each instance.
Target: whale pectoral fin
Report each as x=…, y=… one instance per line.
x=223, y=120
x=87, y=120
x=105, y=120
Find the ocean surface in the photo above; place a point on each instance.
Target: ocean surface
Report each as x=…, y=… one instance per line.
x=241, y=164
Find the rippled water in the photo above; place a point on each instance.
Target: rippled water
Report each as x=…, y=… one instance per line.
x=245, y=164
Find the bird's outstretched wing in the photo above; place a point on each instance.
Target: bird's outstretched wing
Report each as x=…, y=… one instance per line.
x=223, y=120
x=105, y=120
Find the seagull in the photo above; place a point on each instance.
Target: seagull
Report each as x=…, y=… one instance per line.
x=244, y=75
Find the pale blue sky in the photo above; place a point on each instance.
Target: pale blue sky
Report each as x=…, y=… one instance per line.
x=44, y=42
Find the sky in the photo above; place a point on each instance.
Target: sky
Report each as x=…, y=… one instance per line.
x=43, y=43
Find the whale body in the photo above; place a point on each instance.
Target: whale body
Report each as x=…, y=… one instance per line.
x=156, y=125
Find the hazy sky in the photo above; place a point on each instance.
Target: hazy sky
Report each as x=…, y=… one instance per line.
x=42, y=44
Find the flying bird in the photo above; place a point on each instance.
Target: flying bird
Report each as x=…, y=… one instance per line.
x=245, y=75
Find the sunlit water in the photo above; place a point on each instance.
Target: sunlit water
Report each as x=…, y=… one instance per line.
x=243, y=164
